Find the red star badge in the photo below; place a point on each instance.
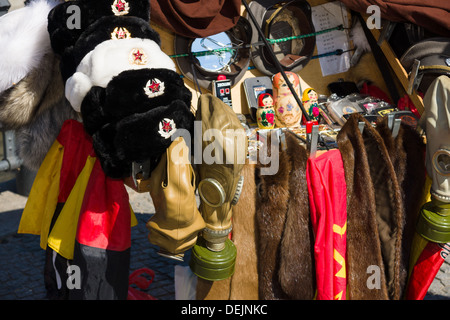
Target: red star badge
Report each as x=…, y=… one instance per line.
x=120, y=6
x=138, y=55
x=154, y=86
x=167, y=127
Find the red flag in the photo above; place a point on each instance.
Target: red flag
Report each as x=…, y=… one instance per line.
x=425, y=269
x=328, y=206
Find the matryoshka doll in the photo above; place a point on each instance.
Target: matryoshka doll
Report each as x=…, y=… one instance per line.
x=265, y=115
x=287, y=110
x=310, y=102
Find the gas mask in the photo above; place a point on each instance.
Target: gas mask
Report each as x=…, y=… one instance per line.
x=437, y=128
x=434, y=220
x=213, y=257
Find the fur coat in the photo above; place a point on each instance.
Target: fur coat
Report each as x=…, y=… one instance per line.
x=284, y=233
x=380, y=207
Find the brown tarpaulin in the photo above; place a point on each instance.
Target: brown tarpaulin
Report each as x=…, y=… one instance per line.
x=433, y=15
x=195, y=18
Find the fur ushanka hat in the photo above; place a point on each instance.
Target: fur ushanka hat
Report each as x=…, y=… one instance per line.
x=64, y=35
x=105, y=28
x=134, y=117
x=128, y=92
x=108, y=59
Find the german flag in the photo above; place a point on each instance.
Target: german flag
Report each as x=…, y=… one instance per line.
x=82, y=216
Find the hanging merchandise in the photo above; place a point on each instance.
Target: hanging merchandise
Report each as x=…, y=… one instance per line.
x=196, y=19
x=220, y=184
x=134, y=117
x=230, y=57
x=278, y=20
x=64, y=28
x=73, y=206
x=328, y=206
x=376, y=172
x=106, y=28
x=283, y=222
x=430, y=246
x=174, y=228
x=132, y=102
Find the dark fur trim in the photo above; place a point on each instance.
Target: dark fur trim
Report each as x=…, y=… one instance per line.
x=100, y=31
x=297, y=272
x=389, y=207
x=138, y=138
x=125, y=93
x=407, y=152
x=285, y=238
x=92, y=110
x=271, y=209
x=371, y=161
x=125, y=96
x=62, y=37
x=103, y=144
x=363, y=244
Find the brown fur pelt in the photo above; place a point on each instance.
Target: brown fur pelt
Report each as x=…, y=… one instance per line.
x=407, y=151
x=296, y=272
x=285, y=254
x=271, y=209
x=363, y=244
x=389, y=207
x=40, y=90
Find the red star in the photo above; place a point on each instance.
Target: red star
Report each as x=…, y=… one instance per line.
x=120, y=6
x=166, y=126
x=120, y=34
x=138, y=56
x=154, y=86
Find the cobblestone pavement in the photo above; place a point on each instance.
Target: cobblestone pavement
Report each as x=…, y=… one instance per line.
x=22, y=262
x=22, y=259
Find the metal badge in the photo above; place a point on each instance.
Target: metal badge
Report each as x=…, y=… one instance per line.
x=138, y=57
x=154, y=88
x=120, y=7
x=167, y=128
x=120, y=33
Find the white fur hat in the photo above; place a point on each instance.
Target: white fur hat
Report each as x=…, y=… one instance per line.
x=24, y=41
x=110, y=58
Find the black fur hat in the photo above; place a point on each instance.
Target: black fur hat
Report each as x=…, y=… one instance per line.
x=105, y=28
x=68, y=20
x=135, y=116
x=132, y=91
x=140, y=137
